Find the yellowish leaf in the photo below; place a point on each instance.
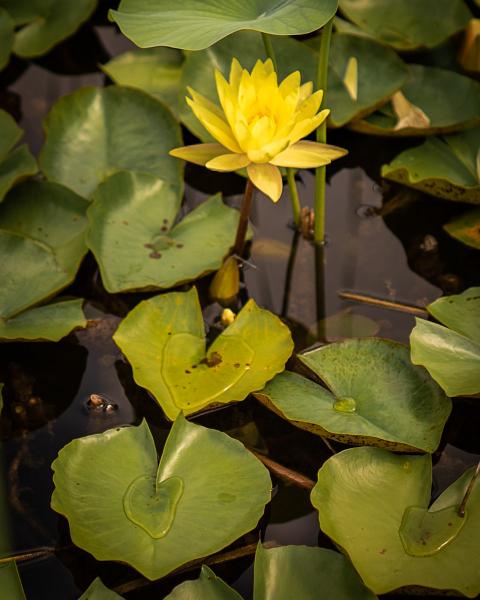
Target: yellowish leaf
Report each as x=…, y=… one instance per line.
x=408, y=114
x=350, y=79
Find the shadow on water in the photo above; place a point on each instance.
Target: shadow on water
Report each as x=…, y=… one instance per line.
x=386, y=243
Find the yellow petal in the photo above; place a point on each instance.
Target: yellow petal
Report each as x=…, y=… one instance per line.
x=199, y=154
x=215, y=126
x=228, y=162
x=309, y=107
x=235, y=75
x=305, y=127
x=205, y=102
x=266, y=153
x=306, y=155
x=305, y=91
x=267, y=179
x=227, y=99
x=290, y=84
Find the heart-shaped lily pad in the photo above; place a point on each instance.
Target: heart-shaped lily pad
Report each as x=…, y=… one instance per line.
x=138, y=244
x=96, y=132
x=374, y=395
x=457, y=109
x=247, y=47
x=373, y=505
x=451, y=354
x=446, y=167
x=164, y=340
x=156, y=71
x=207, y=491
x=409, y=24
x=42, y=227
x=466, y=228
x=194, y=25
x=44, y=23
x=51, y=322
x=282, y=574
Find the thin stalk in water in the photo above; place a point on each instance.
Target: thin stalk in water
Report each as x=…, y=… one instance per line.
x=295, y=199
x=471, y=485
x=242, y=228
x=320, y=177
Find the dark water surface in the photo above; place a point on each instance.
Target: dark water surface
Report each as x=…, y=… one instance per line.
x=382, y=242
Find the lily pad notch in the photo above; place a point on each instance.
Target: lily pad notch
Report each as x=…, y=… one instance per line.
x=164, y=340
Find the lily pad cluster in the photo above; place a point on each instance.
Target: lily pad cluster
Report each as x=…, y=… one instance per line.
x=206, y=491
x=31, y=29
x=281, y=573
x=451, y=350
x=164, y=340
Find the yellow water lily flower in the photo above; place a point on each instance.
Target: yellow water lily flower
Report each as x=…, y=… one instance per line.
x=259, y=126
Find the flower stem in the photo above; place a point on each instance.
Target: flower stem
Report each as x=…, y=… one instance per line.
x=242, y=228
x=295, y=198
x=267, y=42
x=320, y=176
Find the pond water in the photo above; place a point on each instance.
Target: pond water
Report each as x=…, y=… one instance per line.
x=384, y=242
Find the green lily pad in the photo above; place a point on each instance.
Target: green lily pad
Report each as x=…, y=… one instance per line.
x=96, y=132
x=247, y=47
x=195, y=25
x=42, y=228
x=97, y=591
x=156, y=71
x=282, y=574
x=17, y=166
x=401, y=407
x=138, y=244
x=10, y=133
x=6, y=38
x=451, y=354
x=51, y=322
x=409, y=24
x=457, y=108
x=164, y=340
x=207, y=491
x=375, y=506
x=45, y=23
x=10, y=582
x=466, y=228
x=442, y=167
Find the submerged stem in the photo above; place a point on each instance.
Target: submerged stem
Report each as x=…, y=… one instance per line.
x=243, y=221
x=468, y=491
x=320, y=176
